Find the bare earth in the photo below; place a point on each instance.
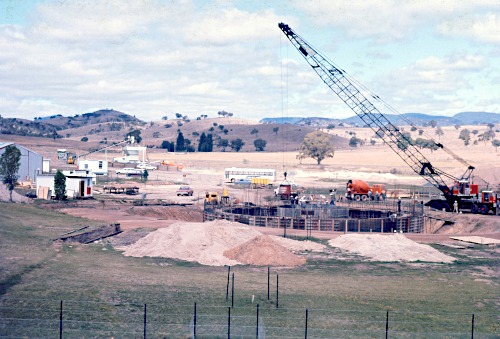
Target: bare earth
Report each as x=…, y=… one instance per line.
x=180, y=231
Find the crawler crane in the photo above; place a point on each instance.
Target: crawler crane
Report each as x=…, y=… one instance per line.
x=463, y=191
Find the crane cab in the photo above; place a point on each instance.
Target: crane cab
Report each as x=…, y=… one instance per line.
x=464, y=188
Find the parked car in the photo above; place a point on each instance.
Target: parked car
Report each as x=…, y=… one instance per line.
x=143, y=165
x=185, y=191
x=130, y=171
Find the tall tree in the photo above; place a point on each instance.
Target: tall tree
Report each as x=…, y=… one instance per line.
x=316, y=145
x=236, y=144
x=180, y=144
x=259, y=144
x=202, y=141
x=60, y=185
x=10, y=161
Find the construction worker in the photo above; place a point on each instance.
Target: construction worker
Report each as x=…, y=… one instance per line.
x=455, y=207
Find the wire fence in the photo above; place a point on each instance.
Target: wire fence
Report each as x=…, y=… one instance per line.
x=41, y=318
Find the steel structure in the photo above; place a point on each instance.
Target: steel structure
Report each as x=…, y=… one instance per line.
x=339, y=82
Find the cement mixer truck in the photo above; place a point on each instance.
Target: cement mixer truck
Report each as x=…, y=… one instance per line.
x=360, y=190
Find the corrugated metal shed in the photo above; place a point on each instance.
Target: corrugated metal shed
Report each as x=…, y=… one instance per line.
x=31, y=162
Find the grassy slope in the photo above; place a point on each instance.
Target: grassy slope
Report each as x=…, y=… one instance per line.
x=104, y=292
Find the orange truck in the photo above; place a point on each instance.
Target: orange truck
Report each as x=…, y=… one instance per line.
x=360, y=190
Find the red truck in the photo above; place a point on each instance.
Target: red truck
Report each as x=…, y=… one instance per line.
x=360, y=190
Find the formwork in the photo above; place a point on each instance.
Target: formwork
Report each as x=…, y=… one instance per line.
x=347, y=217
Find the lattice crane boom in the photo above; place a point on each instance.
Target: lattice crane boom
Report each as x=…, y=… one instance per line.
x=339, y=83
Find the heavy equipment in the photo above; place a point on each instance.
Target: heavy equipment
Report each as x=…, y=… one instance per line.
x=463, y=191
x=360, y=190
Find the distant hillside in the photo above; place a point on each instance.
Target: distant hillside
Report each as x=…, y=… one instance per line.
x=101, y=116
x=56, y=125
x=419, y=119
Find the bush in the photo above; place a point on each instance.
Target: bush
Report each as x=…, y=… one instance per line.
x=85, y=139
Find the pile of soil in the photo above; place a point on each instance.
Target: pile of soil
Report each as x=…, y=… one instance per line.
x=389, y=247
x=204, y=243
x=264, y=251
x=218, y=243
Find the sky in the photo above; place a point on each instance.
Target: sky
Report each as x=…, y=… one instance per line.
x=155, y=58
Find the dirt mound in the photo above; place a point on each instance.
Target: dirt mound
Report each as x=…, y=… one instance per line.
x=168, y=212
x=389, y=247
x=204, y=243
x=467, y=223
x=262, y=250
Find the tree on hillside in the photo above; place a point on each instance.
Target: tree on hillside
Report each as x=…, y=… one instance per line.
x=60, y=185
x=178, y=115
x=259, y=144
x=433, y=123
x=236, y=144
x=180, y=143
x=136, y=134
x=465, y=136
x=275, y=130
x=206, y=143
x=254, y=131
x=353, y=142
x=223, y=143
x=316, y=145
x=9, y=166
x=439, y=131
x=169, y=146
x=495, y=143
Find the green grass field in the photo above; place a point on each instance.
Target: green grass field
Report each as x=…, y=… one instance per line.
x=104, y=293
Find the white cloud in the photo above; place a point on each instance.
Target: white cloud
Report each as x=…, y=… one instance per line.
x=156, y=57
x=483, y=28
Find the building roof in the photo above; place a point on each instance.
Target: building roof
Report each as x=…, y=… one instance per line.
x=4, y=144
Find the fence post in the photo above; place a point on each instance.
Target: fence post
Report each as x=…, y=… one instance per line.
x=61, y=320
x=472, y=329
x=268, y=282
x=257, y=327
x=227, y=286
x=145, y=321
x=232, y=293
x=194, y=322
x=387, y=325
x=228, y=322
x=277, y=290
x=307, y=317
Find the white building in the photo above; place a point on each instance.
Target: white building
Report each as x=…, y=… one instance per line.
x=99, y=167
x=31, y=162
x=79, y=184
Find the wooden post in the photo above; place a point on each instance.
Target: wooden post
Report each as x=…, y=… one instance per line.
x=232, y=293
x=277, y=291
x=227, y=285
x=61, y=320
x=387, y=325
x=307, y=317
x=257, y=327
x=145, y=320
x=359, y=225
x=194, y=322
x=472, y=329
x=228, y=322
x=268, y=282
